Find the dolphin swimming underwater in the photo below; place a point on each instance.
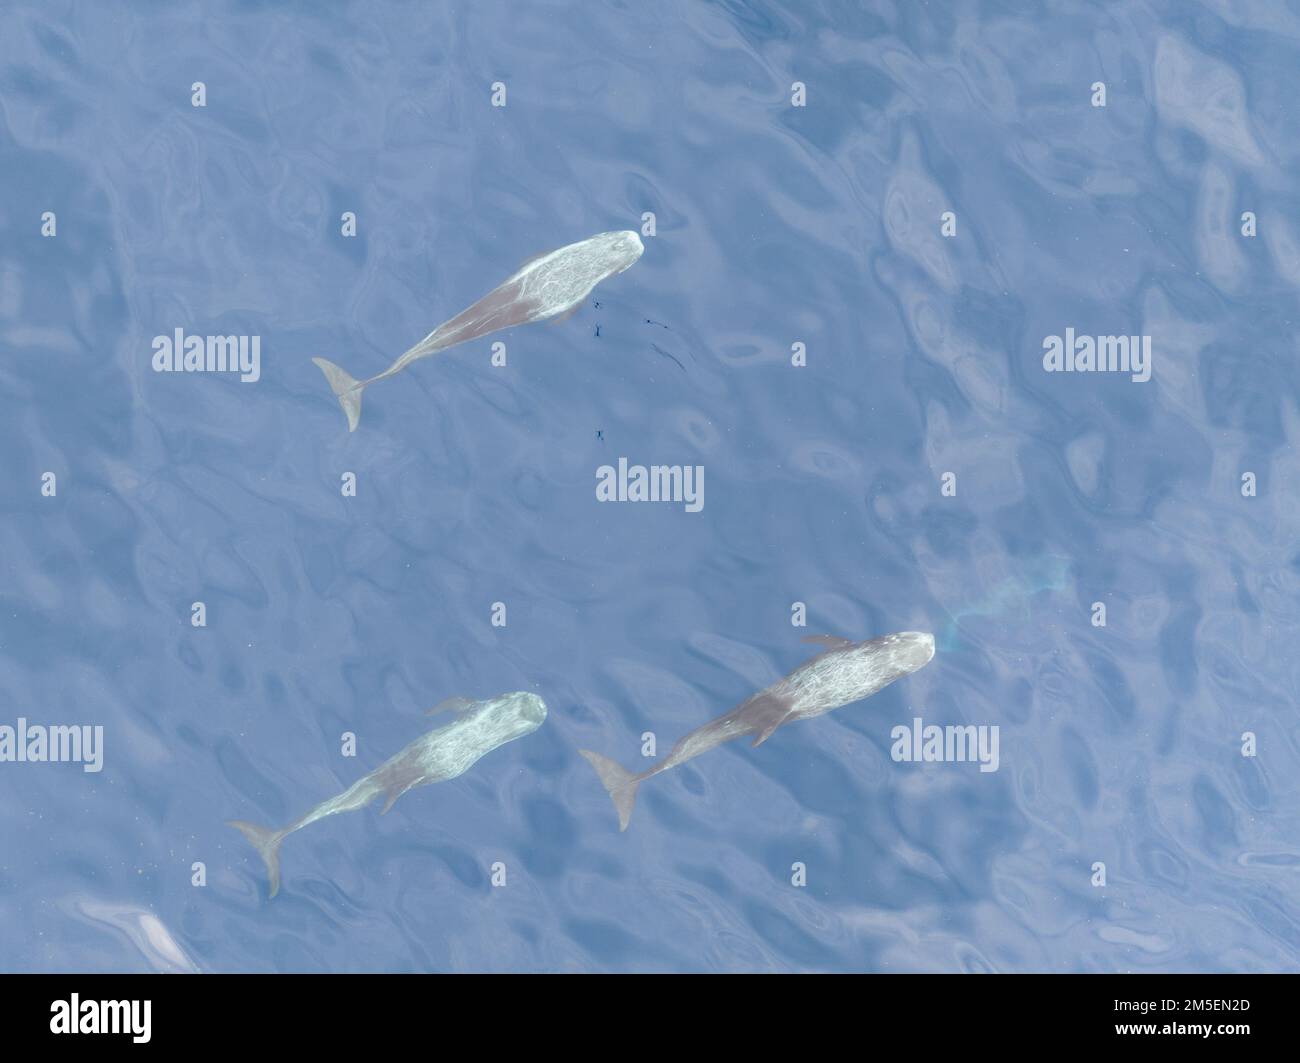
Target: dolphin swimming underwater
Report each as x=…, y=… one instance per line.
x=844, y=673
x=441, y=754
x=544, y=287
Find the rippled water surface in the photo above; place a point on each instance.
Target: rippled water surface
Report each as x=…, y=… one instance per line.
x=1120, y=745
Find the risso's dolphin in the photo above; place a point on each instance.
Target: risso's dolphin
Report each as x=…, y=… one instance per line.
x=544, y=287
x=844, y=673
x=440, y=754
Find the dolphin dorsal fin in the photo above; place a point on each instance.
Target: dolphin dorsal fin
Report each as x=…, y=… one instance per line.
x=831, y=642
x=453, y=704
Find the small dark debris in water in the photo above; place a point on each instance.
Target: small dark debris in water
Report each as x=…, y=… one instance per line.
x=597, y=330
x=659, y=323
x=600, y=434
x=667, y=355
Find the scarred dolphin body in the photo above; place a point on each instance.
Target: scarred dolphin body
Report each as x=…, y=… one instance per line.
x=844, y=673
x=545, y=287
x=441, y=754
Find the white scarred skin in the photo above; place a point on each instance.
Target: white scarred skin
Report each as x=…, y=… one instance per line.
x=441, y=754
x=845, y=673
x=843, y=676
x=548, y=286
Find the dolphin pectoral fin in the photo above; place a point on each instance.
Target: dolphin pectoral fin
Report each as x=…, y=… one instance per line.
x=392, y=791
x=831, y=642
x=452, y=704
x=764, y=714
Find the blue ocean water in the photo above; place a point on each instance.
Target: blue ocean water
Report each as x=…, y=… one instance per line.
x=921, y=472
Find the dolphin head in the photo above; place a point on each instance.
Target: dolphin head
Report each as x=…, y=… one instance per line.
x=913, y=650
x=857, y=670
x=894, y=656
x=624, y=248
x=526, y=712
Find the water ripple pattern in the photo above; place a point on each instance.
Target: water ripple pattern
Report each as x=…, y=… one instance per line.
x=911, y=197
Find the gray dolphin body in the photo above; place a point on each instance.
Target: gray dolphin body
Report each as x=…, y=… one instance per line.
x=441, y=754
x=544, y=287
x=846, y=672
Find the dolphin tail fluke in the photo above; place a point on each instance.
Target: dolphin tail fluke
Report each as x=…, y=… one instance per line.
x=620, y=783
x=346, y=388
x=267, y=842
